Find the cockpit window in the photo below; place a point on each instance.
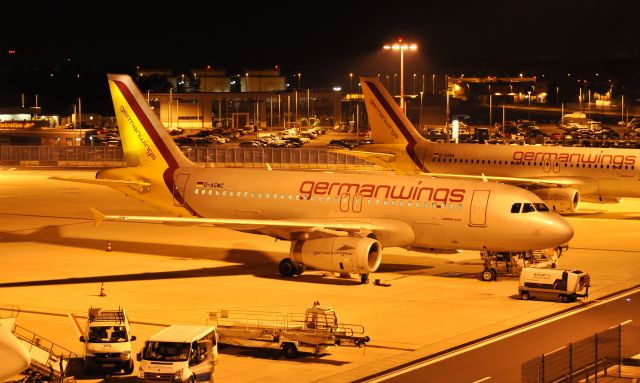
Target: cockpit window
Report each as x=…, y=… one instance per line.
x=516, y=207
x=528, y=208
x=541, y=207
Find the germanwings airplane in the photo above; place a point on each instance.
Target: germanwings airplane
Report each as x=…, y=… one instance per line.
x=335, y=222
x=560, y=176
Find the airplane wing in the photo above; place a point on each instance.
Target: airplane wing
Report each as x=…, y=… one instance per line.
x=326, y=228
x=141, y=185
x=509, y=180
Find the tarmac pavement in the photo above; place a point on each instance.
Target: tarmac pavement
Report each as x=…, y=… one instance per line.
x=54, y=261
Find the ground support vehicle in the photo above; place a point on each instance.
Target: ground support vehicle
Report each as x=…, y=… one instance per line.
x=48, y=359
x=314, y=331
x=565, y=285
x=512, y=262
x=107, y=342
x=181, y=353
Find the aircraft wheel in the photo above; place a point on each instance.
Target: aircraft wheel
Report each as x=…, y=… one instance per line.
x=299, y=268
x=287, y=267
x=494, y=274
x=486, y=275
x=364, y=278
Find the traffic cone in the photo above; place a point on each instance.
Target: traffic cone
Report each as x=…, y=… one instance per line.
x=108, y=245
x=102, y=293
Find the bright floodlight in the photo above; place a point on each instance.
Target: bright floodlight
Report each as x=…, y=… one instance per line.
x=401, y=46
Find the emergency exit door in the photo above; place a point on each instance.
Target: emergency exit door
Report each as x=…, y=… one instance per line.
x=179, y=185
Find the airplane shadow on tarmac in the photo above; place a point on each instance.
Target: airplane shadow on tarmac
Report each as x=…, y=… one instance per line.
x=256, y=263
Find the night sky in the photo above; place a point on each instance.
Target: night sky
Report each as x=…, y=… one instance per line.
x=323, y=40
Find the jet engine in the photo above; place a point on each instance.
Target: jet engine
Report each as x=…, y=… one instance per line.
x=559, y=200
x=345, y=255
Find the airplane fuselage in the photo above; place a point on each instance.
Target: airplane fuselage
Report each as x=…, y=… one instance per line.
x=599, y=172
x=418, y=211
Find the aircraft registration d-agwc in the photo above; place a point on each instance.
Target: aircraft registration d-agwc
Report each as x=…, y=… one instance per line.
x=338, y=222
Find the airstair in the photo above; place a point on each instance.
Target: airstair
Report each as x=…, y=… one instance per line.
x=47, y=358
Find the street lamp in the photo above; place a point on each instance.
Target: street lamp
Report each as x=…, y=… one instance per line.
x=433, y=84
x=529, y=105
x=420, y=119
x=401, y=46
x=299, y=80
x=414, y=84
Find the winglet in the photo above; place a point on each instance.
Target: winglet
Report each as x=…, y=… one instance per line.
x=97, y=216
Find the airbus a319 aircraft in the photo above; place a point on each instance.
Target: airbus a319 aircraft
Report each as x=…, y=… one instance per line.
x=335, y=222
x=560, y=176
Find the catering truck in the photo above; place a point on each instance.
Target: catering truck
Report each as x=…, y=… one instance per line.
x=314, y=331
x=565, y=285
x=107, y=341
x=181, y=353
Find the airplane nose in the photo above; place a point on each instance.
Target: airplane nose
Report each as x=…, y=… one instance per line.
x=556, y=230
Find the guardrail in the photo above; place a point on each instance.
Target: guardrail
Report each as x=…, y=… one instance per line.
x=316, y=158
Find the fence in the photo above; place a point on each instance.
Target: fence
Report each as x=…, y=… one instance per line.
x=579, y=361
x=221, y=156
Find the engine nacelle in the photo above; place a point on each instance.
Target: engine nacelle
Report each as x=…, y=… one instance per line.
x=559, y=200
x=339, y=254
x=600, y=199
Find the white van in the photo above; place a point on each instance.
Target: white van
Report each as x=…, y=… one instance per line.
x=180, y=353
x=107, y=341
x=565, y=285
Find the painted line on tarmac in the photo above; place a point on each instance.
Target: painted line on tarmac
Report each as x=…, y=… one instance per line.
x=481, y=342
x=483, y=379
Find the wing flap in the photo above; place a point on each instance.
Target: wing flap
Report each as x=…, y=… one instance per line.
x=136, y=184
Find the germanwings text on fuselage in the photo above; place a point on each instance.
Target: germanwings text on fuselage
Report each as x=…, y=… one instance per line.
x=309, y=188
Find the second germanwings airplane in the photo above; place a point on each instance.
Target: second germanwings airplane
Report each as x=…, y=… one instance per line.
x=560, y=176
x=335, y=222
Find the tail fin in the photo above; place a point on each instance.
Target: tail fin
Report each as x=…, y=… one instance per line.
x=388, y=124
x=145, y=142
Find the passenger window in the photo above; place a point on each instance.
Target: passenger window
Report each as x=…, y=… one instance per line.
x=386, y=203
x=417, y=203
x=210, y=192
x=246, y=194
x=267, y=195
x=435, y=205
x=224, y=193
x=196, y=191
x=217, y=193
x=401, y=203
x=409, y=204
x=528, y=208
x=393, y=202
x=515, y=208
x=328, y=199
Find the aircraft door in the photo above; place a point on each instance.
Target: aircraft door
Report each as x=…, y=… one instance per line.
x=478, y=214
x=179, y=185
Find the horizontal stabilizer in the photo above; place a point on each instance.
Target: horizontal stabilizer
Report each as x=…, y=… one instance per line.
x=97, y=216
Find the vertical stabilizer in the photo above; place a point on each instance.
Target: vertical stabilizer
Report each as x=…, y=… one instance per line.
x=388, y=124
x=145, y=141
